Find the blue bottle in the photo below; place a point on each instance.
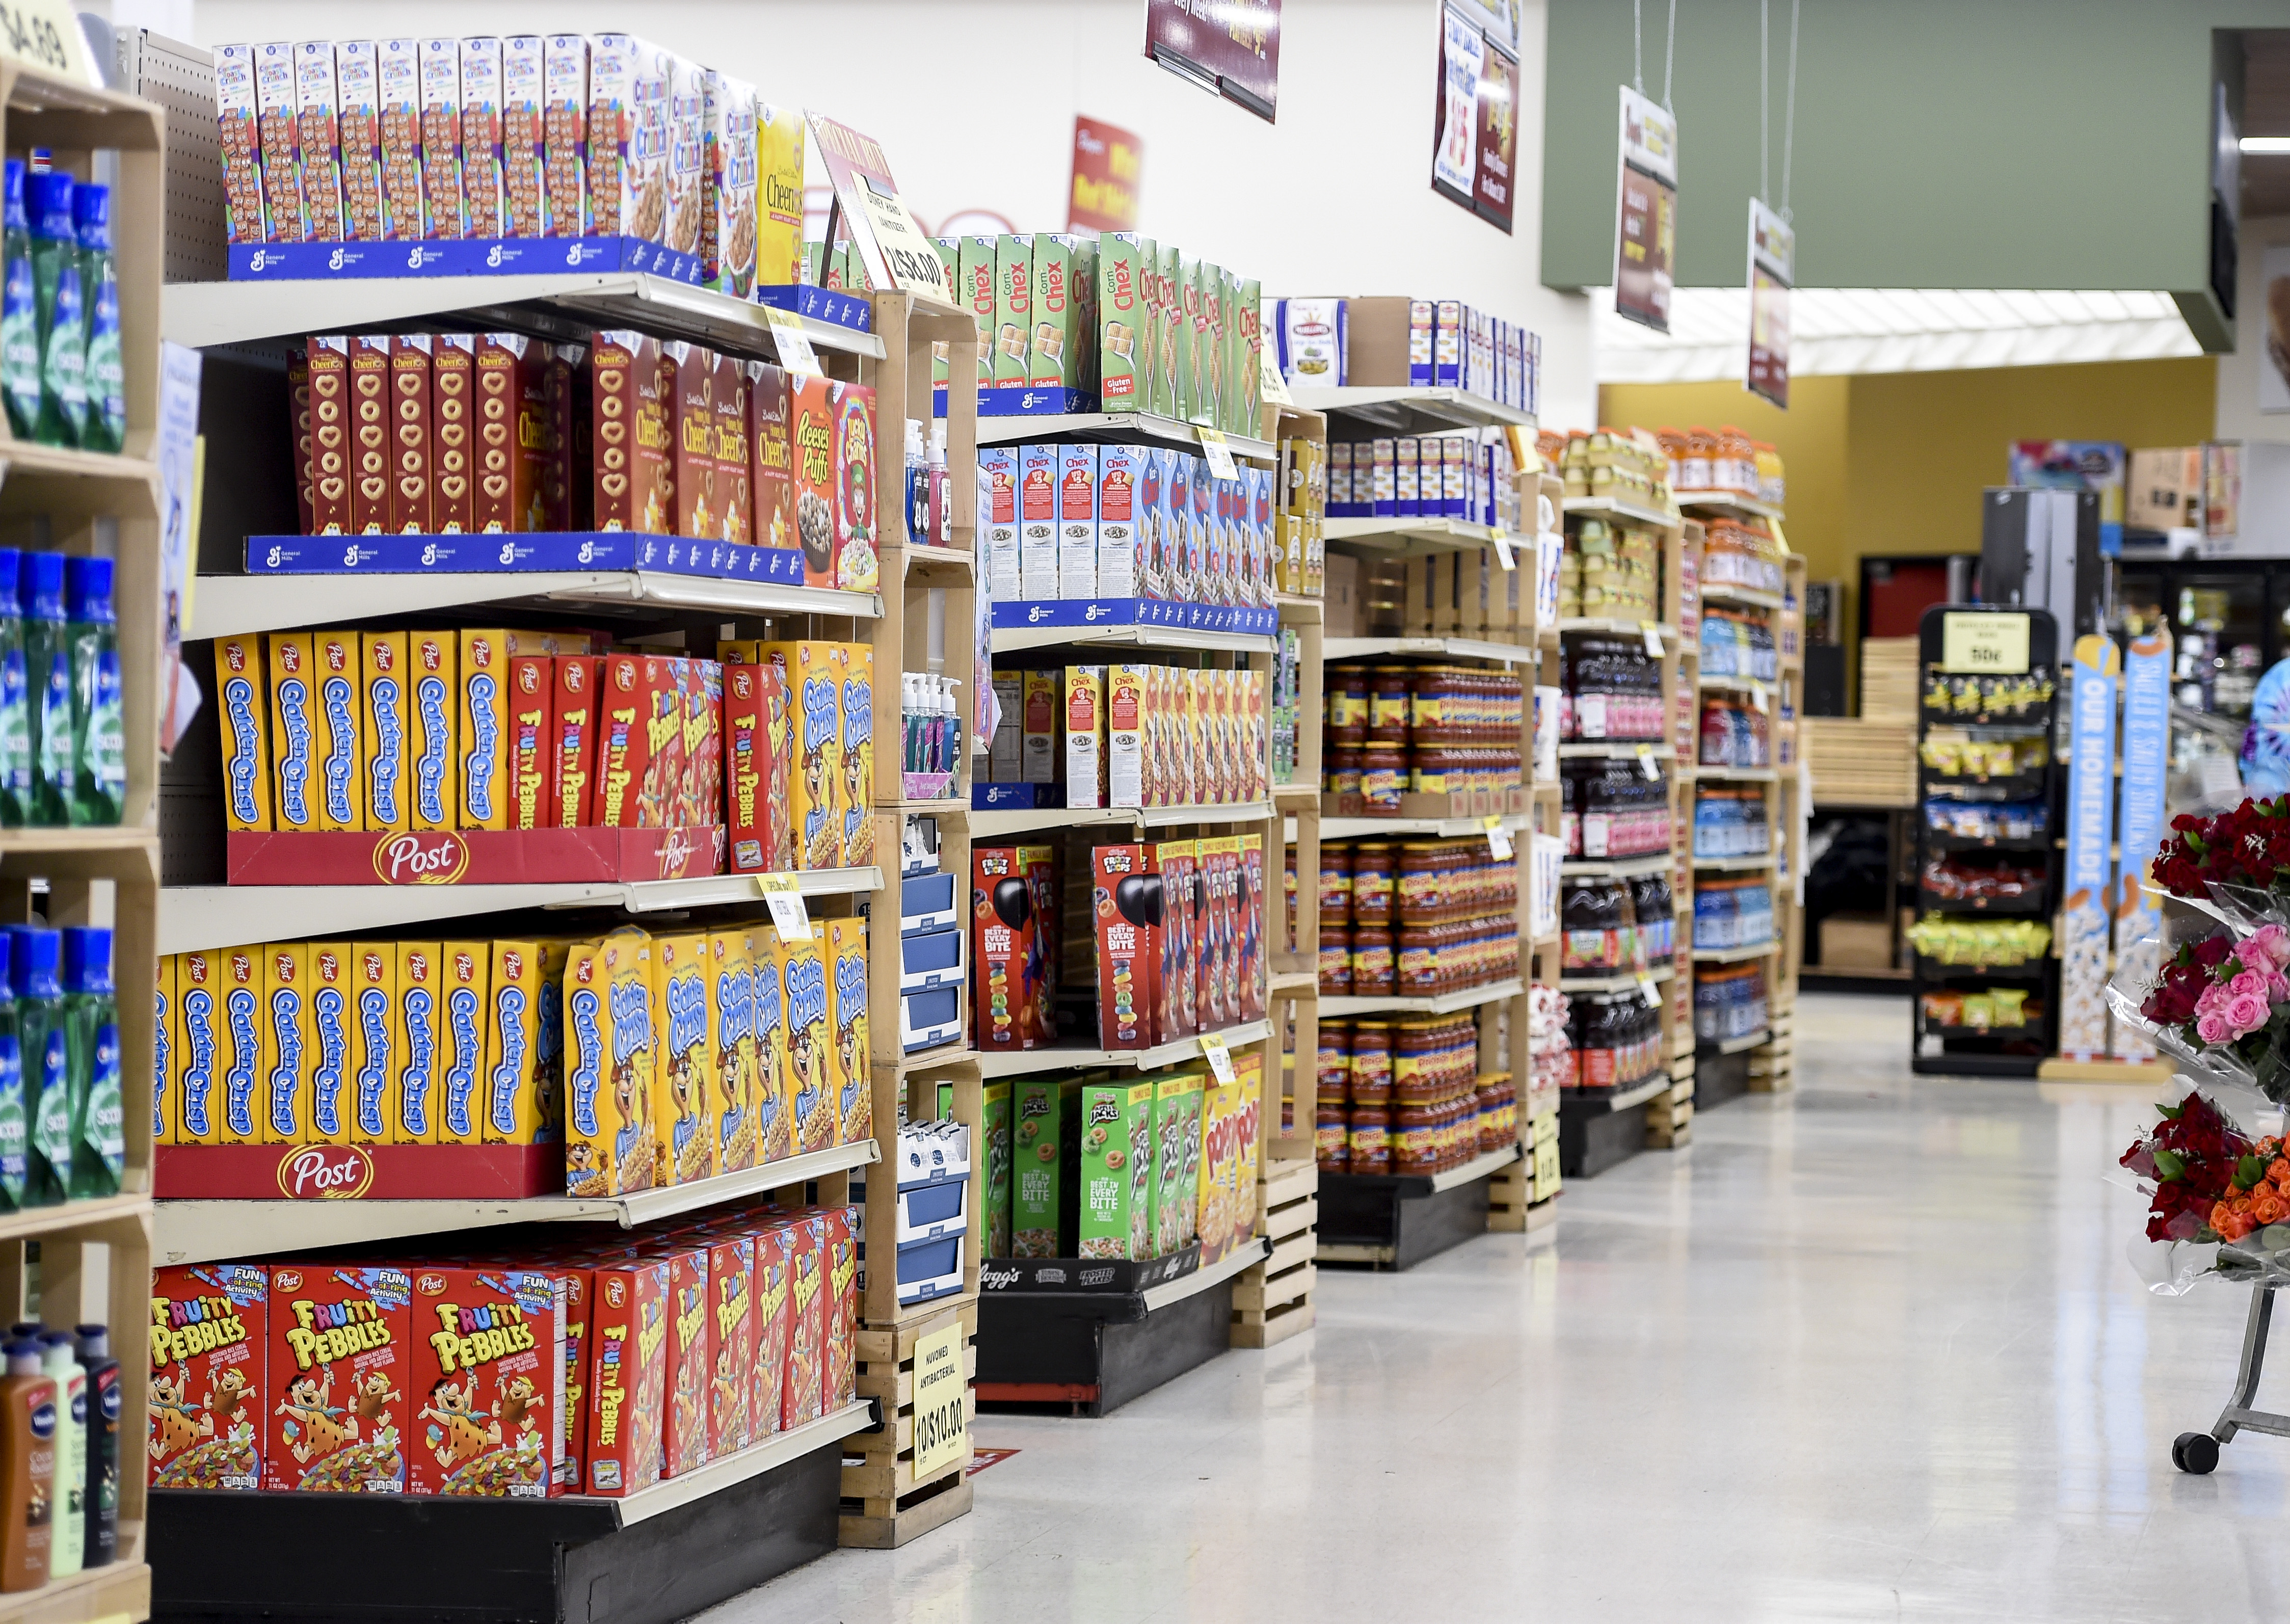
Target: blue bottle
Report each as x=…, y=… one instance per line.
x=105, y=371
x=34, y=955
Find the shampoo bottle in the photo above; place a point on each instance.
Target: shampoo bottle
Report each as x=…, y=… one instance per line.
x=103, y=1402
x=98, y=1146
x=27, y=1468
x=15, y=706
x=69, y=1522
x=98, y=727
x=48, y=1103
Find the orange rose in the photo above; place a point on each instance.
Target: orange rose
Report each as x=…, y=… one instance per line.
x=2239, y=1204
x=2237, y=1227
x=2270, y=1209
x=2278, y=1170
x=2222, y=1215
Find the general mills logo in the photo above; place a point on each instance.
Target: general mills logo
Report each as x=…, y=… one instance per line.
x=1096, y=611
x=588, y=552
x=349, y=556
x=493, y=256
x=429, y=554
x=274, y=557
x=336, y=259
x=1038, y=613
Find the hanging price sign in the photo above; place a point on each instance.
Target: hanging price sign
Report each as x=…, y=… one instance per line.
x=1502, y=543
x=1219, y=1057
x=1273, y=387
x=786, y=902
x=1218, y=453
x=1652, y=633
x=941, y=1426
x=1498, y=838
x=1646, y=763
x=795, y=353
x=1650, y=991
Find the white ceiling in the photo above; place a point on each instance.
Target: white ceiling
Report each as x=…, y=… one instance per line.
x=1841, y=331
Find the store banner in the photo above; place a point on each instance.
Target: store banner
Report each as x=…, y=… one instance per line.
x=1646, y=228
x=2146, y=770
x=1773, y=273
x=889, y=240
x=1493, y=191
x=1108, y=162
x=1229, y=47
x=1455, y=156
x=1475, y=147
x=2083, y=921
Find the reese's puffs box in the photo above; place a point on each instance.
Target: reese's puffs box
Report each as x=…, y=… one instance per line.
x=626, y=1375
x=488, y=1372
x=210, y=1338
x=337, y=1405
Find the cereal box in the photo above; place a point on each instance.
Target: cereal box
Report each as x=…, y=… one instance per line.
x=523, y=137
x=1214, y=1202
x=420, y=1042
x=688, y=154
x=482, y=725
x=999, y=1189
x=694, y=372
x=1009, y=959
x=210, y=1335
x=445, y=212
x=507, y=1107
x=370, y=420
x=549, y=1042
x=452, y=368
x=335, y=1402
x=484, y=214
x=1013, y=312
x=284, y=214
x=1126, y=903
x=283, y=1091
x=242, y=710
x=691, y=1356
x=632, y=383
x=322, y=434
x=813, y=677
x=573, y=729
x=728, y=211
x=288, y=659
x=1041, y=724
x=734, y=472
x=771, y=446
x=608, y=1067
x=1120, y=546
x=778, y=195
x=1247, y=371
x=565, y=131
x=774, y=1087
x=681, y=1110
x=1085, y=742
x=623, y=740
x=318, y=125
x=626, y=1378
x=374, y=1044
x=509, y=453
x=1178, y=863
x=410, y=446
x=1248, y=928
x=854, y=1092
x=757, y=769
x=463, y=1029
x=1125, y=737
x=384, y=802
x=802, y=981
x=839, y=1370
x=1041, y=1119
x=1057, y=333
x=242, y=144
x=996, y=519
x=573, y=1470
x=1037, y=523
x=1039, y=865
x=1248, y=1112
x=1125, y=268
x=435, y=710
x=1076, y=478
x=731, y=1371
x=199, y=1017
x=166, y=1058
x=857, y=798
x=857, y=567
x=811, y=435
x=730, y=1110
x=630, y=130
x=531, y=754
x=772, y=1312
x=807, y=1272
x=487, y=1369
x=397, y=78
x=1115, y=1214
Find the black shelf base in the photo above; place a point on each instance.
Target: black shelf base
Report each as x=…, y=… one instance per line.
x=1590, y=1142
x=221, y=1558
x=1975, y=1064
x=1717, y=1078
x=1384, y=1216
x=1088, y=1353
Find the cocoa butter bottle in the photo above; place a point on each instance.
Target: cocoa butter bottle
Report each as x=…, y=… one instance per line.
x=103, y=1400
x=27, y=1468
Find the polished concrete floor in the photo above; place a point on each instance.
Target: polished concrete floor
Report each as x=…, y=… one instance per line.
x=1870, y=1351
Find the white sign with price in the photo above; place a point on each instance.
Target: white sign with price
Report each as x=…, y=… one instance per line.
x=786, y=903
x=1219, y=453
x=914, y=261
x=44, y=34
x=1498, y=838
x=1652, y=633
x=1219, y=1057
x=795, y=353
x=1650, y=992
x=1275, y=387
x=1646, y=764
x=941, y=1387
x=1502, y=544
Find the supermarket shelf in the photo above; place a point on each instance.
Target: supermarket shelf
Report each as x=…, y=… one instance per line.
x=1441, y=829
x=1478, y=1167
x=1615, y=752
x=1017, y=639
x=193, y=918
x=234, y=605
x=202, y=1231
x=753, y=1461
x=1727, y=501
x=1735, y=955
x=1121, y=427
x=1442, y=1004
x=936, y=560
x=1246, y=1256
x=1021, y=1062
x=1623, y=982
x=31, y=1221
x=989, y=825
x=1734, y=1046
x=1607, y=506
x=1452, y=534
x=1735, y=865
x=1619, y=869
x=1334, y=649
x=29, y=457
x=1410, y=411
x=1613, y=627
x=1622, y=1100
x=114, y=1591
x=1722, y=592
x=1740, y=775
x=56, y=842
x=1731, y=684
x=1297, y=981
x=204, y=313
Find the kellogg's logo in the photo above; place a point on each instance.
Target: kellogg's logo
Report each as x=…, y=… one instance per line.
x=323, y=1173
x=423, y=857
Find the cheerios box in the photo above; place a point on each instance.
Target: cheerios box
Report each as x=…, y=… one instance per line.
x=339, y=1404
x=210, y=1344
x=1115, y=1219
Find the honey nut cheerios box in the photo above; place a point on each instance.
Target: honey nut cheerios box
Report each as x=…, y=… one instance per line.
x=339, y=1403
x=210, y=1342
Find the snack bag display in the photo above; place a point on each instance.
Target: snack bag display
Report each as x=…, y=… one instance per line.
x=335, y=1404
x=210, y=1342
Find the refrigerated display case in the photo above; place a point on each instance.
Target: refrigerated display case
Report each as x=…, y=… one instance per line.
x=2229, y=623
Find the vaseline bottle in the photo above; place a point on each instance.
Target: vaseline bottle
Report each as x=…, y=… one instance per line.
x=103, y=1402
x=69, y=1521
x=27, y=1468
x=98, y=1146
x=98, y=727
x=48, y=1102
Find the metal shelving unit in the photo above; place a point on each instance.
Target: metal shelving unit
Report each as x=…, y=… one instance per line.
x=1125, y=428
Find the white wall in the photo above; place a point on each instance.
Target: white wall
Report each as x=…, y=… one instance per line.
x=2239, y=416
x=974, y=100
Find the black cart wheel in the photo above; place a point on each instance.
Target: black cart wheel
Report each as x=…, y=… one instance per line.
x=2195, y=1452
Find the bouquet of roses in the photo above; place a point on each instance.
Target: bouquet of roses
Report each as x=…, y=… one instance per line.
x=2210, y=1185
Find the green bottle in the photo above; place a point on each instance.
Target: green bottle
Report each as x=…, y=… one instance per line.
x=19, y=320
x=48, y=695
x=15, y=1148
x=92, y=1031
x=99, y=280
x=61, y=309
x=99, y=726
x=48, y=1102
x=15, y=708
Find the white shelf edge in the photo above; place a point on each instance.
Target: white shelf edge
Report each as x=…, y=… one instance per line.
x=1440, y=828
x=1478, y=1167
x=1613, y=983
x=1736, y=865
x=1019, y=639
x=777, y=1450
x=1738, y=503
x=1614, y=752
x=1146, y=424
x=1612, y=508
x=1244, y=1256
x=1464, y=409
x=204, y=1231
x=1735, y=955
x=1620, y=868
x=1012, y=1063
x=1442, y=1004
x=1748, y=1040
x=1332, y=649
x=985, y=825
x=1660, y=1082
x=1752, y=597
x=1739, y=775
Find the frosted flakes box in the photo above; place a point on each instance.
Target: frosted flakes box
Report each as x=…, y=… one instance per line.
x=487, y=1370
x=210, y=1339
x=336, y=1404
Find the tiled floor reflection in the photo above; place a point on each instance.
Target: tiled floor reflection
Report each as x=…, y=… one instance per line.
x=1872, y=1351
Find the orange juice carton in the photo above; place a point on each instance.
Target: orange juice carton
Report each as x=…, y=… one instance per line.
x=488, y=1375
x=854, y=1090
x=210, y=1338
x=627, y=1376
x=811, y=1075
x=815, y=699
x=242, y=712
x=609, y=1049
x=487, y=778
x=288, y=659
x=484, y=214
x=509, y=1104
x=731, y=1110
x=240, y=1121
x=332, y=1013
x=433, y=711
x=166, y=1058
x=374, y=1048
x=526, y=698
x=523, y=137
x=286, y=1047
x=576, y=703
x=773, y=1088
x=337, y=1402
x=807, y=1262
x=420, y=1041
x=338, y=742
x=466, y=968
x=384, y=798
x=682, y=1090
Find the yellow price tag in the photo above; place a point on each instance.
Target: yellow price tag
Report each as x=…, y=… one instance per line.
x=1219, y=1056
x=1219, y=453
x=942, y=1388
x=1652, y=633
x=1650, y=992
x=1275, y=387
x=782, y=894
x=1646, y=763
x=1498, y=838
x=1502, y=543
x=795, y=353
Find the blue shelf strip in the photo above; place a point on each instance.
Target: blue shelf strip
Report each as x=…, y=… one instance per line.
x=1085, y=613
x=521, y=552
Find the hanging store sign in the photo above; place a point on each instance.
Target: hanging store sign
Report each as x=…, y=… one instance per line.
x=1773, y=273
x=1230, y=48
x=889, y=240
x=1475, y=148
x=1107, y=164
x=2146, y=768
x=1646, y=229
x=2084, y=922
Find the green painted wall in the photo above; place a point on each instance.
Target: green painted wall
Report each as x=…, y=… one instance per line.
x=1939, y=143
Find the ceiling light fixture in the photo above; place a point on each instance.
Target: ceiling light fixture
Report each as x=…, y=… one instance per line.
x=2266, y=146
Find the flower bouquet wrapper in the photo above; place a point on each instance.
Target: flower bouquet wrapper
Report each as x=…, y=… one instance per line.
x=2214, y=996
x=2218, y=1198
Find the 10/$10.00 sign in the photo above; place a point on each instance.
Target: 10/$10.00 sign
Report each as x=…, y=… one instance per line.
x=941, y=1400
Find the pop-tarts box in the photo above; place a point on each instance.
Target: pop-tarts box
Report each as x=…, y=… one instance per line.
x=1038, y=521
x=1120, y=546
x=1077, y=522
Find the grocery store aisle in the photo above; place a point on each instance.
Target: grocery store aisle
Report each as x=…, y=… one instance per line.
x=1871, y=1352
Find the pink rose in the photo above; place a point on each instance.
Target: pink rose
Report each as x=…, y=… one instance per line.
x=2249, y=984
x=2269, y=943
x=2213, y=1000
x=2246, y=1014
x=2211, y=1028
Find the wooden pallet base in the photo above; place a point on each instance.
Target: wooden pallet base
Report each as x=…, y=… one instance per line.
x=1273, y=1301
x=1275, y=1326
x=1772, y=1082
x=933, y=1505
x=884, y=1504
x=1670, y=1121
x=1542, y=1214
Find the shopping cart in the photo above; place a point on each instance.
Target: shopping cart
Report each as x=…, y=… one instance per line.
x=2199, y=1452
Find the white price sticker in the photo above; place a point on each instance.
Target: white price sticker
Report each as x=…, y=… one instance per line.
x=1275, y=390
x=1758, y=697
x=1650, y=992
x=1503, y=549
x=1646, y=763
x=1653, y=638
x=1219, y=1057
x=1498, y=838
x=795, y=353
x=913, y=261
x=1219, y=453
x=788, y=916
